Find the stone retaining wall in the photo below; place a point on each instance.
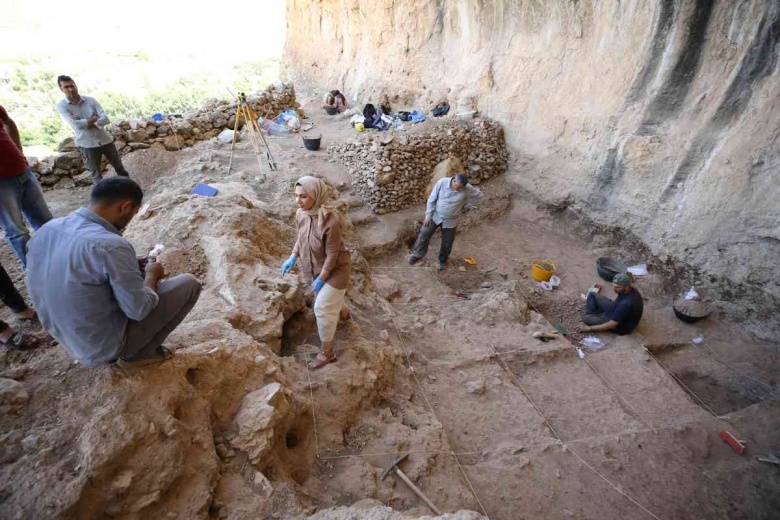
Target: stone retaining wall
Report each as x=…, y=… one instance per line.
x=394, y=171
x=66, y=169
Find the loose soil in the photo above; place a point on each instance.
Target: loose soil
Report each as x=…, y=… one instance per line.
x=493, y=419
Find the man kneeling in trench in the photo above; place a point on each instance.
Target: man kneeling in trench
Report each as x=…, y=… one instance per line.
x=90, y=290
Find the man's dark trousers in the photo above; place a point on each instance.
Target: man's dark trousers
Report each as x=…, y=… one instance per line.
x=93, y=156
x=597, y=309
x=420, y=248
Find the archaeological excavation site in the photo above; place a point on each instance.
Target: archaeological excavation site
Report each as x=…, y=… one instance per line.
x=580, y=151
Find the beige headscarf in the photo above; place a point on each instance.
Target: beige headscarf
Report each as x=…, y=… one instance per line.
x=323, y=200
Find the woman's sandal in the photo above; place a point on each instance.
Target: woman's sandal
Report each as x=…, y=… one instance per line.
x=321, y=360
x=21, y=341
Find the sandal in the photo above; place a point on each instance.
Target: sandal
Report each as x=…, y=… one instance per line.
x=32, y=319
x=321, y=360
x=164, y=355
x=21, y=341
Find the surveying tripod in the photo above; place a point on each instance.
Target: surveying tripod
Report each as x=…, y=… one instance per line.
x=256, y=136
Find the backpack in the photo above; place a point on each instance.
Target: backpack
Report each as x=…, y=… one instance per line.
x=440, y=110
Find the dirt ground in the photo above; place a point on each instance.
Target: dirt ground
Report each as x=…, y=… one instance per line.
x=493, y=420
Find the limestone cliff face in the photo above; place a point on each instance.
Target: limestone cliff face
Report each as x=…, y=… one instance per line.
x=660, y=116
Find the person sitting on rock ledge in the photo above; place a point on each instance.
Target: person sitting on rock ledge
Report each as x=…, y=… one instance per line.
x=90, y=291
x=449, y=197
x=620, y=316
x=325, y=261
x=335, y=100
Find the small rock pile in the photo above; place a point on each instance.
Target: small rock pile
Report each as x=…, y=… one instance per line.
x=67, y=169
x=394, y=172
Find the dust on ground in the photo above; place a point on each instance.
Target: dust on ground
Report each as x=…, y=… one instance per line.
x=490, y=416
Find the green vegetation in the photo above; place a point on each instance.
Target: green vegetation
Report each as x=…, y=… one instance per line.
x=30, y=92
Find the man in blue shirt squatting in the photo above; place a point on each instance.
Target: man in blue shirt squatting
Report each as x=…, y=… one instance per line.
x=87, y=118
x=449, y=197
x=620, y=316
x=101, y=302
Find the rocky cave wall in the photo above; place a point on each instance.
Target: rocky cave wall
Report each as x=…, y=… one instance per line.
x=658, y=116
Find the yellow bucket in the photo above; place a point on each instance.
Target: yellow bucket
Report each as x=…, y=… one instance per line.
x=542, y=270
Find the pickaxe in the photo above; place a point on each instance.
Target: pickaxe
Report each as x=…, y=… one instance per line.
x=394, y=468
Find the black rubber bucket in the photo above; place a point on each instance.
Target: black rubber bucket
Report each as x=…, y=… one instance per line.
x=312, y=143
x=331, y=111
x=607, y=268
x=690, y=311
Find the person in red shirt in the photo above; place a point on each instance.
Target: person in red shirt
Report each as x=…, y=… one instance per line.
x=20, y=192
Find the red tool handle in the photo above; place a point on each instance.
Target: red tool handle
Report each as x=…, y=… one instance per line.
x=735, y=444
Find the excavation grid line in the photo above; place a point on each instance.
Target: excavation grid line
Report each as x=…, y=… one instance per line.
x=311, y=396
x=685, y=421
x=719, y=358
x=558, y=441
x=422, y=391
x=594, y=470
x=679, y=381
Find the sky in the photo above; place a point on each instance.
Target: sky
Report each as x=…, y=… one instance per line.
x=241, y=29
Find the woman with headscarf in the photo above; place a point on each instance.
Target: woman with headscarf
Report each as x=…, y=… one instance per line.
x=324, y=260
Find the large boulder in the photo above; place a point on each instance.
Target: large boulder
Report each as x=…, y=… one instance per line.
x=136, y=136
x=13, y=395
x=260, y=411
x=67, y=145
x=68, y=161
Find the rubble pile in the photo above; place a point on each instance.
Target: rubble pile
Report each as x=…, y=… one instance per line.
x=67, y=169
x=394, y=172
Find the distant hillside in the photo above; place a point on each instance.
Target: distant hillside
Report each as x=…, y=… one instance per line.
x=127, y=86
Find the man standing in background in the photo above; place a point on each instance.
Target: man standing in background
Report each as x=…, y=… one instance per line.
x=88, y=118
x=449, y=197
x=20, y=192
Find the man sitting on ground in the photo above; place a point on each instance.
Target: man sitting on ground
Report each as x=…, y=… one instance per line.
x=620, y=316
x=90, y=292
x=335, y=100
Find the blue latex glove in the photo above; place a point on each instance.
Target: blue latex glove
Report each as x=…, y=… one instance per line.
x=317, y=284
x=288, y=265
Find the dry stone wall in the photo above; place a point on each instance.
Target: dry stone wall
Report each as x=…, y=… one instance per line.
x=67, y=169
x=393, y=172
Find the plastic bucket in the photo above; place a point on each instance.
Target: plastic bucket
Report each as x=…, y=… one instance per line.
x=542, y=270
x=312, y=143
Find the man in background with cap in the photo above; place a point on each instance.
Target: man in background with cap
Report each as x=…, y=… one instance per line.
x=620, y=316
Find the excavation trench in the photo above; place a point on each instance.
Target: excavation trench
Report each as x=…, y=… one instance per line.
x=492, y=419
